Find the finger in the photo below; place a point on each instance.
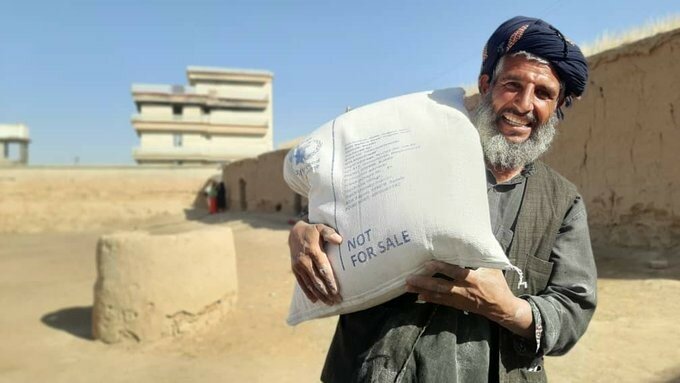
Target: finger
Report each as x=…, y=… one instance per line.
x=326, y=283
x=306, y=270
x=306, y=286
x=440, y=299
x=303, y=286
x=421, y=283
x=451, y=271
x=451, y=298
x=315, y=288
x=328, y=234
x=304, y=242
x=324, y=271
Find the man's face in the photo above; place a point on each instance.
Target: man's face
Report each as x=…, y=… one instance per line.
x=516, y=118
x=524, y=96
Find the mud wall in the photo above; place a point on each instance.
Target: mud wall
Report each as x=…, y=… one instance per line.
x=239, y=182
x=256, y=184
x=620, y=143
x=35, y=199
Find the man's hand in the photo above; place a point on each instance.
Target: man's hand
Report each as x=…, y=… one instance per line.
x=482, y=291
x=309, y=262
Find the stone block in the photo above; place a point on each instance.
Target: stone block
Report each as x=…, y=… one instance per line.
x=154, y=286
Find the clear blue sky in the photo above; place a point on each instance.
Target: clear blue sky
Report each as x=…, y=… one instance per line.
x=66, y=67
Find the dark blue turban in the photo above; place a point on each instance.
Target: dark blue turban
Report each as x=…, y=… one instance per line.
x=541, y=39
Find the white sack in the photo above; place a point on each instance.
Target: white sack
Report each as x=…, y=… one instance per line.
x=403, y=182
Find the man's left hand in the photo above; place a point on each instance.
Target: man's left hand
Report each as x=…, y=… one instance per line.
x=482, y=291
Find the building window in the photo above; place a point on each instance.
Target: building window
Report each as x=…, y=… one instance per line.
x=205, y=110
x=177, y=140
x=177, y=110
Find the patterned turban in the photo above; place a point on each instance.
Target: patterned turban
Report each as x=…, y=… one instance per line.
x=541, y=39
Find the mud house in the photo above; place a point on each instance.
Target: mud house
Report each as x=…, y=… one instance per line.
x=256, y=184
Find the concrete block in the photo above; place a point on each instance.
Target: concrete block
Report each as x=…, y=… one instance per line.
x=154, y=286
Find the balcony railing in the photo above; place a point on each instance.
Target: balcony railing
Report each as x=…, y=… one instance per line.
x=197, y=154
x=226, y=93
x=255, y=121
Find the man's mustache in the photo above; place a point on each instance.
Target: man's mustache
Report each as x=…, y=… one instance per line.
x=529, y=116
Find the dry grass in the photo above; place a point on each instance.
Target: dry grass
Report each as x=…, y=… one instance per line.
x=609, y=40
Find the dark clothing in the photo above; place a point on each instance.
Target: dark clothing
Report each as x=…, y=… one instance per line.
x=221, y=197
x=540, y=221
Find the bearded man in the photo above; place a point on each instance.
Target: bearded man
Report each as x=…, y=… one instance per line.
x=478, y=325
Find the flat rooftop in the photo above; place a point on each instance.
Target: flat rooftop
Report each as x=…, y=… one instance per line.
x=15, y=132
x=232, y=71
x=201, y=74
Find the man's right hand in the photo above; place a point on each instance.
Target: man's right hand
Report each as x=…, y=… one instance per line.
x=309, y=262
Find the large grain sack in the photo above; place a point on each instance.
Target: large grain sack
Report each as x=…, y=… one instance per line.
x=403, y=182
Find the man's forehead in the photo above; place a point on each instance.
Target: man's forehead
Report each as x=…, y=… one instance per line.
x=522, y=68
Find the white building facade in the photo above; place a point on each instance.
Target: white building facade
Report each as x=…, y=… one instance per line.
x=222, y=115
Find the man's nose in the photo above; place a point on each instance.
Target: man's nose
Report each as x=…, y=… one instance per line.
x=524, y=101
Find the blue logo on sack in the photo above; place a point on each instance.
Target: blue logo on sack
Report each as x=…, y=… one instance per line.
x=306, y=151
x=299, y=155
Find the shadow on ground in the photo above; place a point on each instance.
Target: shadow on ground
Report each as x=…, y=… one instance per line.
x=617, y=262
x=275, y=221
x=74, y=320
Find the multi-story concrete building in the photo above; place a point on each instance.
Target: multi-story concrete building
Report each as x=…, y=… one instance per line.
x=14, y=134
x=221, y=116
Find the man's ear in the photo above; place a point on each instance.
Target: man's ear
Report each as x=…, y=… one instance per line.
x=483, y=84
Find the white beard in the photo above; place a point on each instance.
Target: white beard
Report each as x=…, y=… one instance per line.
x=503, y=154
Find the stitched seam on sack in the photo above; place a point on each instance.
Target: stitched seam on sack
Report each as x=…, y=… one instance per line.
x=332, y=310
x=318, y=312
x=335, y=199
x=368, y=295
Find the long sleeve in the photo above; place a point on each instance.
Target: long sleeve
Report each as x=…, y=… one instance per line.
x=568, y=302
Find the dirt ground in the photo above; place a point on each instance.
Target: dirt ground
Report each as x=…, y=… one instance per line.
x=46, y=282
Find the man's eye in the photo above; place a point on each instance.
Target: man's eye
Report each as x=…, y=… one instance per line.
x=512, y=85
x=543, y=95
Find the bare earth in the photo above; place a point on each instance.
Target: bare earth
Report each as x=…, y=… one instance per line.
x=46, y=295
